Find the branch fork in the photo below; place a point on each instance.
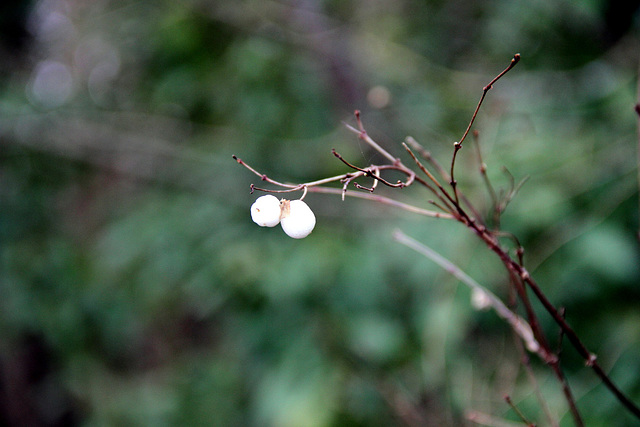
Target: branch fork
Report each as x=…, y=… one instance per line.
x=452, y=204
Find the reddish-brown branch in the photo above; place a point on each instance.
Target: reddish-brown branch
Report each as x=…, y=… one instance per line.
x=452, y=205
x=590, y=358
x=518, y=412
x=371, y=172
x=457, y=146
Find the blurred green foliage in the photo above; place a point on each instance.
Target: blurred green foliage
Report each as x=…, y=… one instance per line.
x=136, y=290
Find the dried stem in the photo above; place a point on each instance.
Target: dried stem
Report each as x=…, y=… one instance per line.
x=524, y=360
x=362, y=134
x=316, y=187
x=373, y=172
x=487, y=182
x=590, y=358
x=383, y=200
x=487, y=88
x=441, y=193
x=457, y=146
x=518, y=412
x=529, y=331
x=519, y=325
x=426, y=155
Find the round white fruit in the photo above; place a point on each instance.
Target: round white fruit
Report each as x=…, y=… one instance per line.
x=266, y=210
x=297, y=219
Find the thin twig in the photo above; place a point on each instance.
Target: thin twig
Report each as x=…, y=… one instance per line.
x=545, y=352
x=315, y=187
x=519, y=325
x=525, y=361
x=372, y=172
x=531, y=333
x=425, y=154
x=487, y=181
x=518, y=412
x=442, y=194
x=293, y=187
x=458, y=144
x=534, y=329
x=590, y=358
x=487, y=88
x=383, y=200
x=363, y=135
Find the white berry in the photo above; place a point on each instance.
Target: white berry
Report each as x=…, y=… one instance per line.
x=266, y=210
x=297, y=219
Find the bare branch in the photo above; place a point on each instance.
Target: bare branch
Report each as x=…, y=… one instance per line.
x=529, y=331
x=518, y=412
x=519, y=325
x=425, y=154
x=372, y=172
x=485, y=178
x=384, y=200
x=458, y=144
x=487, y=88
x=363, y=135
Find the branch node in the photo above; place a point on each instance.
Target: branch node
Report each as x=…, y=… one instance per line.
x=591, y=360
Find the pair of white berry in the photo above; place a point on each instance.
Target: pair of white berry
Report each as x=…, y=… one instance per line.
x=295, y=216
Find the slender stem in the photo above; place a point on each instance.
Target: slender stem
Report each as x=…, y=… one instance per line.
x=519, y=325
x=324, y=181
x=382, y=199
x=458, y=144
x=573, y=408
x=315, y=187
x=518, y=412
x=363, y=135
x=525, y=361
x=590, y=358
x=293, y=187
x=415, y=145
x=485, y=178
x=443, y=195
x=371, y=172
x=550, y=358
x=487, y=88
